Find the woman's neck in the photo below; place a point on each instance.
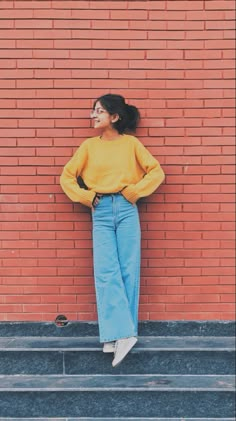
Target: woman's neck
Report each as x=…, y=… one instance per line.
x=110, y=134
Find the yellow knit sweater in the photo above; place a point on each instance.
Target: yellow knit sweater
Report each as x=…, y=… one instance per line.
x=111, y=166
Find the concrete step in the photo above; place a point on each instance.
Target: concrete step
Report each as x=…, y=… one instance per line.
x=117, y=395
x=117, y=419
x=147, y=328
x=83, y=355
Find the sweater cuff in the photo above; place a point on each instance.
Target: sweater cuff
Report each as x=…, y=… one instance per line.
x=130, y=194
x=87, y=198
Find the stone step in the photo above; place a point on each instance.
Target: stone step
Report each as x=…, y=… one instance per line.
x=131, y=382
x=117, y=395
x=146, y=328
x=117, y=383
x=83, y=355
x=150, y=343
x=117, y=419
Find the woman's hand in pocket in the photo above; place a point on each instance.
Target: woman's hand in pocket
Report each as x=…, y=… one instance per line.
x=96, y=201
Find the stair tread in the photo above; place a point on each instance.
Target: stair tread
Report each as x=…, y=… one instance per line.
x=118, y=419
x=133, y=382
x=145, y=343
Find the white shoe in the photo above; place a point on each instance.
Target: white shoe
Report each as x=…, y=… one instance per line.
x=109, y=347
x=123, y=346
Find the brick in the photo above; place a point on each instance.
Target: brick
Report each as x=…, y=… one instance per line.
x=222, y=235
x=21, y=299
x=40, y=103
x=205, y=15
x=16, y=33
x=221, y=122
x=185, y=5
x=203, y=189
x=199, y=307
x=228, y=140
x=70, y=4
x=207, y=280
x=54, y=73
x=33, y=23
x=141, y=5
x=226, y=280
x=224, y=44
x=23, y=317
x=44, y=308
x=6, y=4
x=219, y=5
x=114, y=64
x=207, y=298
x=220, y=64
x=226, y=271
x=11, y=308
x=34, y=4
x=205, y=35
x=34, y=44
x=219, y=253
x=189, y=235
x=164, y=15
x=227, y=298
x=221, y=179
x=51, y=34
x=226, y=24
x=5, y=43
x=27, y=64
x=205, y=54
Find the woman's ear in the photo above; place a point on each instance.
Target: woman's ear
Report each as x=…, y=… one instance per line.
x=115, y=118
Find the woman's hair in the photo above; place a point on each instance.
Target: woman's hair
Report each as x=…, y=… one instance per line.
x=129, y=115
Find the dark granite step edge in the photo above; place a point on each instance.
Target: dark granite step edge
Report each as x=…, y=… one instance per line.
x=146, y=328
x=117, y=419
x=117, y=383
x=145, y=343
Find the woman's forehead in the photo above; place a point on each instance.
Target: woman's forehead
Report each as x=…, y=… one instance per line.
x=98, y=104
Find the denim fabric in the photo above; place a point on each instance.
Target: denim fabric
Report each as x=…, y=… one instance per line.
x=116, y=254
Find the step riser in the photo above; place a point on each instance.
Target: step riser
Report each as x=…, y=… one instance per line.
x=111, y=404
x=90, y=362
x=117, y=419
x=149, y=328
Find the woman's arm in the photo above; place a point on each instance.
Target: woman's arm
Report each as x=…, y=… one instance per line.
x=153, y=177
x=68, y=179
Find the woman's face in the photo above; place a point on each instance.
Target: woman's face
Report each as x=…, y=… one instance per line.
x=101, y=118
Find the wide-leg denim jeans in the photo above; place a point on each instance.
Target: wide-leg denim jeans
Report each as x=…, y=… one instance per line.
x=116, y=254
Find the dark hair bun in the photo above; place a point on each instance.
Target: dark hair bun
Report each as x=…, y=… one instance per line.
x=133, y=117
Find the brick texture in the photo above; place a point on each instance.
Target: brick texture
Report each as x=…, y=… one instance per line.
x=175, y=61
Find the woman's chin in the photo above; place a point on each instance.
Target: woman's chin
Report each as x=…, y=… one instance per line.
x=97, y=126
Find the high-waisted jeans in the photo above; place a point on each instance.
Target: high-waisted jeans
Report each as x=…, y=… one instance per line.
x=116, y=253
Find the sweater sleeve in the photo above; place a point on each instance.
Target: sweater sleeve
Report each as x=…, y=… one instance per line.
x=68, y=179
x=153, y=177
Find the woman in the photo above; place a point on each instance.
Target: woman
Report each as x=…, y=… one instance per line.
x=117, y=170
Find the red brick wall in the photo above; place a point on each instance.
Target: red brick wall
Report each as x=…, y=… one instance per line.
x=174, y=60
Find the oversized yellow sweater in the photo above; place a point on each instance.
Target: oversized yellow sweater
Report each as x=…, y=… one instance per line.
x=111, y=166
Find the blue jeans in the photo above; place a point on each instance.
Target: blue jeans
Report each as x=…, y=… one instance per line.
x=116, y=254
